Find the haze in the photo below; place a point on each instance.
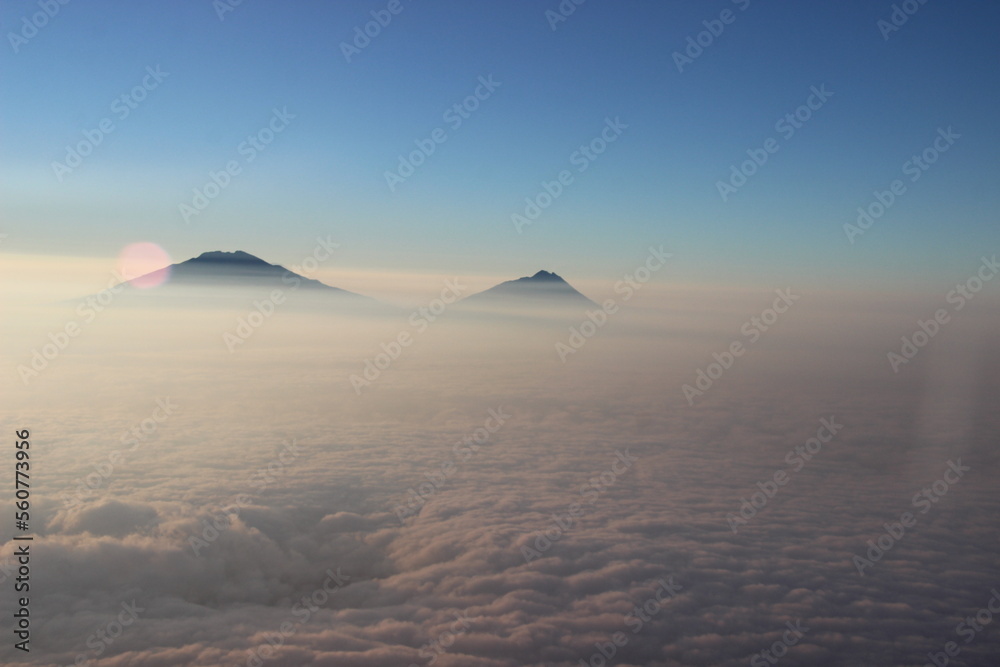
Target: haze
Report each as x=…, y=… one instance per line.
x=548, y=334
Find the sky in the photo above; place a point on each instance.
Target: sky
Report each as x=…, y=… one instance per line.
x=346, y=118
x=208, y=456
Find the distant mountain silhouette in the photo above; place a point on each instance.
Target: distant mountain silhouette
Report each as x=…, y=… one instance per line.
x=215, y=275
x=544, y=289
x=241, y=269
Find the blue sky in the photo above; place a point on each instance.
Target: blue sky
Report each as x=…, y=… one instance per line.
x=324, y=173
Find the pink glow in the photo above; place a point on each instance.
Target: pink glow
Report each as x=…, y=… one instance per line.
x=144, y=265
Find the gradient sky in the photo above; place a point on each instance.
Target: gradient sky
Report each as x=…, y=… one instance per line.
x=324, y=174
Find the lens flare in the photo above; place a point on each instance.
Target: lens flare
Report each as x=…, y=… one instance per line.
x=144, y=265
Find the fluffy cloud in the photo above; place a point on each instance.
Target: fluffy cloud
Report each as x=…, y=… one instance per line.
x=305, y=561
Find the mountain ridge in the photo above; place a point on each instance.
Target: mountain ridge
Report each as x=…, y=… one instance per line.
x=238, y=268
x=542, y=288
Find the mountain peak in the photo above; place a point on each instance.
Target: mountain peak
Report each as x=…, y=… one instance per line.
x=544, y=275
x=239, y=269
x=235, y=257
x=542, y=289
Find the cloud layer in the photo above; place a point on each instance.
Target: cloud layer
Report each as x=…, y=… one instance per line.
x=260, y=522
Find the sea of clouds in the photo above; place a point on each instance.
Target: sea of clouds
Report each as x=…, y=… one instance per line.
x=486, y=503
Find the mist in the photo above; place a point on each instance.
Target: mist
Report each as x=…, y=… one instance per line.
x=350, y=487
